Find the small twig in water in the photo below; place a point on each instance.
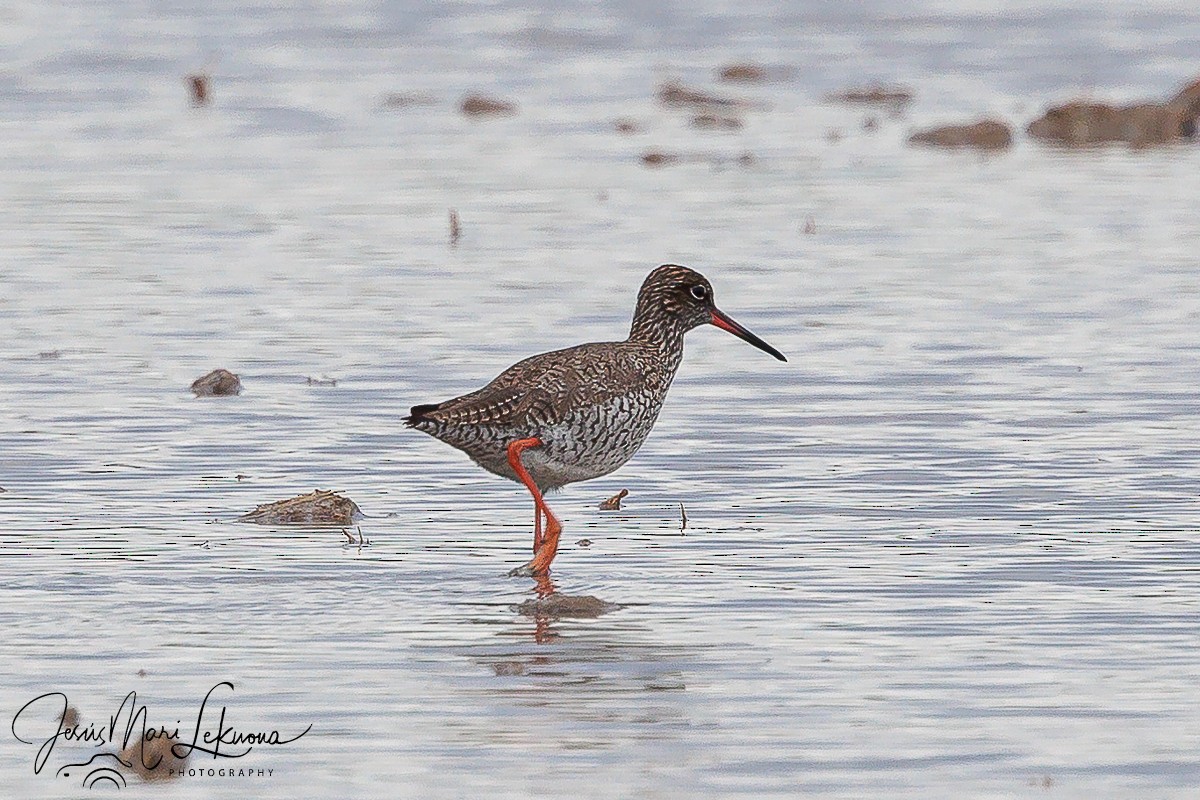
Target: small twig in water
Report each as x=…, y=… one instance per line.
x=198, y=82
x=682, y=519
x=455, y=229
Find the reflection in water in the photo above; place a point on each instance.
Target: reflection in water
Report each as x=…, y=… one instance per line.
x=552, y=605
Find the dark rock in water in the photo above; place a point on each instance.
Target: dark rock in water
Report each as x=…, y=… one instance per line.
x=218, y=383
x=1082, y=124
x=317, y=508
x=716, y=122
x=154, y=760
x=676, y=94
x=744, y=72
x=986, y=134
x=1187, y=103
x=657, y=158
x=480, y=105
x=561, y=605
x=878, y=95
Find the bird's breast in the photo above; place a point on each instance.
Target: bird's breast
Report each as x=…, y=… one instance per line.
x=592, y=440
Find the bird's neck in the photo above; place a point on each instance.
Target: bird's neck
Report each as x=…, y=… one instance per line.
x=658, y=330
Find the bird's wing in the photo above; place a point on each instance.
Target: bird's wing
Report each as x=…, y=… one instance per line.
x=542, y=389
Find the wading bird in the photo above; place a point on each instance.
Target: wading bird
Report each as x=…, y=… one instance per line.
x=579, y=413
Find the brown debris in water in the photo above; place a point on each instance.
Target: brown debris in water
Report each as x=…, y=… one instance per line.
x=810, y=226
x=480, y=105
x=1187, y=100
x=561, y=605
x=218, y=383
x=876, y=95
x=716, y=122
x=199, y=85
x=682, y=519
x=1083, y=124
x=316, y=508
x=320, y=381
x=676, y=94
x=70, y=717
x=986, y=134
x=1079, y=124
x=626, y=126
x=614, y=503
x=153, y=759
x=584, y=543
x=742, y=72
x=455, y=228
x=657, y=158
x=47, y=355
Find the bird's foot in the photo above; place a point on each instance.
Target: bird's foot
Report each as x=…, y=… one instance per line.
x=524, y=571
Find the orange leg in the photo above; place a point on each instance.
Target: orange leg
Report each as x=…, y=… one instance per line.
x=537, y=527
x=545, y=543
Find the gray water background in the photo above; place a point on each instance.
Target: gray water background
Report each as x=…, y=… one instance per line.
x=948, y=550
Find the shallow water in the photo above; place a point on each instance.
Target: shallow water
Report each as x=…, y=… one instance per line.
x=948, y=550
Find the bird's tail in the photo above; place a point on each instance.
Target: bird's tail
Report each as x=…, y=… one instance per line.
x=419, y=414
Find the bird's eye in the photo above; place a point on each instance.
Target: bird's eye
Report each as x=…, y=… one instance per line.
x=699, y=292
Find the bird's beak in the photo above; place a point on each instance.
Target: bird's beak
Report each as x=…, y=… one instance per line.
x=726, y=323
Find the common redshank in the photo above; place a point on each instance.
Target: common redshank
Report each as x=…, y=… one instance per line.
x=579, y=413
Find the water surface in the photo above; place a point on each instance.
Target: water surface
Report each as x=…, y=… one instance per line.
x=948, y=550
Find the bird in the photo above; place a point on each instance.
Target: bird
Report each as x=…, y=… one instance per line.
x=579, y=413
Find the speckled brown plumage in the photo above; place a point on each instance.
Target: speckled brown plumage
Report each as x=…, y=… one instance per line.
x=591, y=406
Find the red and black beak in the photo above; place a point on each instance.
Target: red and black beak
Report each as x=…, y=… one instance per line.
x=726, y=323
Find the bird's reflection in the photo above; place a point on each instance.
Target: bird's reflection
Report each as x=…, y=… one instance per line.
x=545, y=586
x=552, y=605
